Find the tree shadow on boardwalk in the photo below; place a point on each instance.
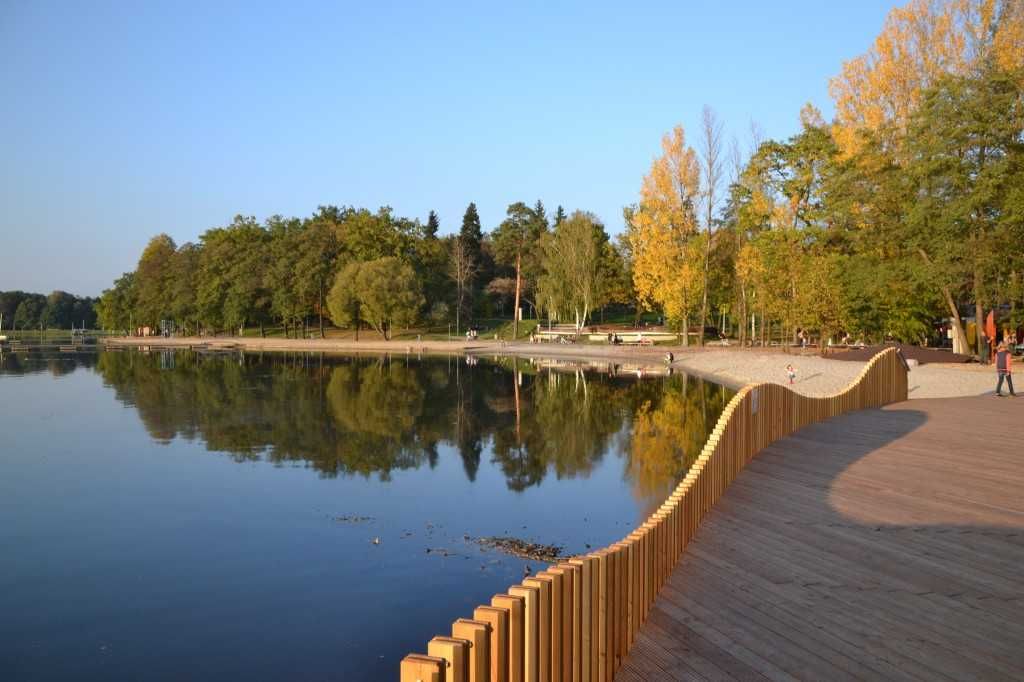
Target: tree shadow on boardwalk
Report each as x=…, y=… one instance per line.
x=883, y=544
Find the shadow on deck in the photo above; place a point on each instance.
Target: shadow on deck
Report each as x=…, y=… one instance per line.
x=882, y=544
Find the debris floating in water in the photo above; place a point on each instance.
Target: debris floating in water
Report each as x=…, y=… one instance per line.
x=523, y=549
x=353, y=519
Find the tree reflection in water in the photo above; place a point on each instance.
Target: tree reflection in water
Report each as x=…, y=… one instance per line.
x=372, y=415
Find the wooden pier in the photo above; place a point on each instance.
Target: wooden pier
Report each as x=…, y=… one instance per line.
x=885, y=544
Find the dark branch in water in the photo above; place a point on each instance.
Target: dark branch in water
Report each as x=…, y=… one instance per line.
x=353, y=519
x=523, y=549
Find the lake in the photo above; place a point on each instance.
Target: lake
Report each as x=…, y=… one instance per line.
x=175, y=514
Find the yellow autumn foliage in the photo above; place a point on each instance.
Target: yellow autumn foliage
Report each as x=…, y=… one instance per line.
x=919, y=43
x=663, y=231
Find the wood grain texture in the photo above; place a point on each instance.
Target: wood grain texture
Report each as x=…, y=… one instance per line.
x=878, y=545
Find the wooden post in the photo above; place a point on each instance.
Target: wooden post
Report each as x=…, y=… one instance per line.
x=479, y=635
x=543, y=584
x=455, y=653
x=531, y=644
x=575, y=620
x=623, y=550
x=605, y=613
x=516, y=607
x=588, y=617
x=567, y=574
x=498, y=619
x=420, y=668
x=636, y=583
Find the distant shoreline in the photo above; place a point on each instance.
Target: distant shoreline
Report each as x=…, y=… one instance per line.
x=732, y=367
x=630, y=355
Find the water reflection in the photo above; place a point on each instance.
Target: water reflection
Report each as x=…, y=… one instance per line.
x=35, y=361
x=374, y=415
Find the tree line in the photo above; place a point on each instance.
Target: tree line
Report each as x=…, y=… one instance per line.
x=902, y=216
x=59, y=310
x=363, y=269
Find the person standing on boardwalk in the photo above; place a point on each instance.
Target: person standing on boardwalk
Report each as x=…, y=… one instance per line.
x=1004, y=362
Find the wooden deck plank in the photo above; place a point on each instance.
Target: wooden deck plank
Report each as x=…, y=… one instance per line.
x=882, y=544
x=840, y=625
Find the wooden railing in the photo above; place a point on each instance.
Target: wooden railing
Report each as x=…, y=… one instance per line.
x=576, y=621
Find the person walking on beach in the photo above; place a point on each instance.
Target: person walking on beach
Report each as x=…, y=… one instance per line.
x=1004, y=362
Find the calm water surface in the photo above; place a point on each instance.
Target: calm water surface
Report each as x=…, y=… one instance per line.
x=173, y=515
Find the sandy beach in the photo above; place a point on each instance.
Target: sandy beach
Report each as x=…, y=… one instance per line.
x=733, y=367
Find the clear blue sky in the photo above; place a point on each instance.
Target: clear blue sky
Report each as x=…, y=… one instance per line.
x=122, y=120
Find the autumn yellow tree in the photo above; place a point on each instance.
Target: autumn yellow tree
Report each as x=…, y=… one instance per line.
x=919, y=43
x=663, y=233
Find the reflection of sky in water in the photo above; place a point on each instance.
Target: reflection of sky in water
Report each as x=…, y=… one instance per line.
x=128, y=550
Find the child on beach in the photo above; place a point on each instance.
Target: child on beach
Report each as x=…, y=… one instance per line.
x=1004, y=369
x=791, y=373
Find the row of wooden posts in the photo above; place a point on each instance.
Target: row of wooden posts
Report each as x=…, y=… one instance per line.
x=576, y=621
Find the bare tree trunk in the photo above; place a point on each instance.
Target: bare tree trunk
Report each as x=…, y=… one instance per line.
x=321, y=308
x=742, y=332
x=704, y=295
x=515, y=310
x=959, y=336
x=462, y=269
x=1013, y=299
x=712, y=170
x=764, y=325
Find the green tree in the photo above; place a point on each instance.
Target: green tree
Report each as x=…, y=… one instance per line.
x=574, y=275
x=432, y=226
x=471, y=238
x=559, y=216
x=316, y=261
x=471, y=233
x=9, y=302
x=117, y=304
x=231, y=290
x=153, y=280
x=384, y=293
x=364, y=236
x=516, y=243
x=59, y=310
x=343, y=300
x=287, y=238
x=184, y=268
x=430, y=259
x=967, y=166
x=29, y=312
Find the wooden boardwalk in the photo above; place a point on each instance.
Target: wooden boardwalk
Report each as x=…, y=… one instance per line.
x=884, y=544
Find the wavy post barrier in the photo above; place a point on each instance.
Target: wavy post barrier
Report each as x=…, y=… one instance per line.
x=576, y=621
